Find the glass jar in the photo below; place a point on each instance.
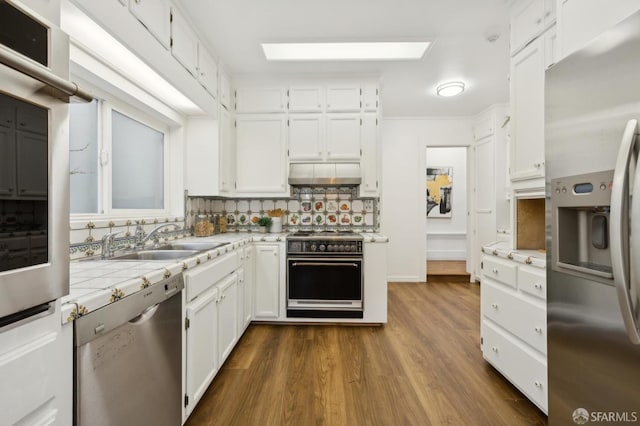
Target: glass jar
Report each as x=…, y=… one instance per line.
x=202, y=226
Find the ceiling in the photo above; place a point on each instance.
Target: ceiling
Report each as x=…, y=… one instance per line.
x=459, y=30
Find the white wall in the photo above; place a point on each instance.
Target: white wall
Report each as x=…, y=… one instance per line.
x=447, y=237
x=403, y=205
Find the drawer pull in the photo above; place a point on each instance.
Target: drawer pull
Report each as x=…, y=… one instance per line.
x=538, y=286
x=538, y=384
x=538, y=330
x=495, y=271
x=510, y=256
x=495, y=252
x=528, y=261
x=494, y=306
x=494, y=349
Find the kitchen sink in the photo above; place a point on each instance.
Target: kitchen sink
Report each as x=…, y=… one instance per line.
x=199, y=246
x=155, y=255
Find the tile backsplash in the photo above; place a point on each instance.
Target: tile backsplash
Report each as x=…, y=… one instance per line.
x=86, y=236
x=307, y=208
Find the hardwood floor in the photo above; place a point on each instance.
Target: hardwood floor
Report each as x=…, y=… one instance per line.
x=451, y=271
x=422, y=368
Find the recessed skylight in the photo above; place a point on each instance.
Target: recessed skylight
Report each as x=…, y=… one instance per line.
x=361, y=51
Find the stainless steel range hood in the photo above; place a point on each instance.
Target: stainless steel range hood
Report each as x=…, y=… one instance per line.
x=324, y=174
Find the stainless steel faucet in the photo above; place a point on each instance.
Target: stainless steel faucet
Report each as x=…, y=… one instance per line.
x=107, y=244
x=153, y=235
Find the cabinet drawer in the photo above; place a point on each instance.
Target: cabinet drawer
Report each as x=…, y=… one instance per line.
x=526, y=370
x=200, y=279
x=499, y=270
x=526, y=320
x=533, y=281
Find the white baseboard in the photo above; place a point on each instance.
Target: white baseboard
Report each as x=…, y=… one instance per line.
x=404, y=279
x=447, y=255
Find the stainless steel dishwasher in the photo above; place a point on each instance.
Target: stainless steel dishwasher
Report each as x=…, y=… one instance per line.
x=128, y=360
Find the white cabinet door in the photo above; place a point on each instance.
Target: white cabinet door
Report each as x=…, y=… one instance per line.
x=32, y=164
x=527, y=112
x=155, y=16
x=201, y=151
x=207, y=71
x=227, y=316
x=343, y=98
x=484, y=199
x=529, y=19
x=7, y=165
x=343, y=136
x=305, y=99
x=369, y=186
x=225, y=90
x=248, y=286
x=227, y=153
x=184, y=42
x=201, y=345
x=267, y=281
x=260, y=99
x=370, y=98
x=261, y=151
x=306, y=137
x=240, y=301
x=582, y=20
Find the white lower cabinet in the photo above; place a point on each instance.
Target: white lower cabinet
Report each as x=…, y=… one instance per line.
x=514, y=324
x=245, y=290
x=267, y=280
x=35, y=372
x=202, y=345
x=227, y=316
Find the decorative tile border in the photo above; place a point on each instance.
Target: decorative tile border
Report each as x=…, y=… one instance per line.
x=86, y=237
x=308, y=208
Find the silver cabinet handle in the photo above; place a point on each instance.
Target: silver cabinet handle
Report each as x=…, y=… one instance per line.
x=619, y=229
x=537, y=286
x=494, y=349
x=538, y=384
x=538, y=330
x=494, y=306
x=495, y=271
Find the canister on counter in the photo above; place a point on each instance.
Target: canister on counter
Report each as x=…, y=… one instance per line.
x=202, y=226
x=223, y=224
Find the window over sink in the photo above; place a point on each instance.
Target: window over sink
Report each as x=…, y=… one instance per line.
x=118, y=160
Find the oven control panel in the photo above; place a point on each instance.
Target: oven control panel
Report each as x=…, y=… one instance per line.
x=320, y=246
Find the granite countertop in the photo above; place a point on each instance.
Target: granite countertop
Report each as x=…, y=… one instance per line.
x=96, y=283
x=529, y=257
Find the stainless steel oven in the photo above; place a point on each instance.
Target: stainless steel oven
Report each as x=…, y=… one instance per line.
x=324, y=275
x=34, y=163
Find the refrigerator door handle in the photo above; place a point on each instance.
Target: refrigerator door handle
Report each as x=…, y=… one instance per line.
x=619, y=228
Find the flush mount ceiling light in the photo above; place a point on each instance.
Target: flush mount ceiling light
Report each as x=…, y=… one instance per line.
x=366, y=51
x=452, y=88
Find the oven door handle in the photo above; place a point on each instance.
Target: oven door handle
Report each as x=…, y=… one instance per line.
x=294, y=264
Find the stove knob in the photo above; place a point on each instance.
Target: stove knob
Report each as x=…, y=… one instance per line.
x=313, y=247
x=349, y=248
x=330, y=247
x=322, y=247
x=341, y=247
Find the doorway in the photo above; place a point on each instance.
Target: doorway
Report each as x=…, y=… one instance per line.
x=446, y=198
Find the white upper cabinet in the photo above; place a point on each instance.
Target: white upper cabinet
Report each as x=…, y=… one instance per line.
x=184, y=42
x=370, y=98
x=343, y=98
x=305, y=99
x=261, y=100
x=207, y=71
x=225, y=90
x=306, y=137
x=343, y=136
x=261, y=166
x=483, y=127
x=527, y=112
x=370, y=160
x=227, y=153
x=582, y=20
x=155, y=16
x=529, y=19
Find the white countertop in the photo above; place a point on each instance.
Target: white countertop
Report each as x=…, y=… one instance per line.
x=530, y=257
x=96, y=283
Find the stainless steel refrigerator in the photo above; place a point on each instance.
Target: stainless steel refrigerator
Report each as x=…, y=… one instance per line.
x=592, y=108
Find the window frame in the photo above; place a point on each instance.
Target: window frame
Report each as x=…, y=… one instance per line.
x=107, y=103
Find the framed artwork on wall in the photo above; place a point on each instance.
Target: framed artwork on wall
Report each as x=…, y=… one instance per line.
x=439, y=186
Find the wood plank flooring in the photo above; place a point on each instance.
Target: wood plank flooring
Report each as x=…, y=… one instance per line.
x=443, y=271
x=422, y=368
